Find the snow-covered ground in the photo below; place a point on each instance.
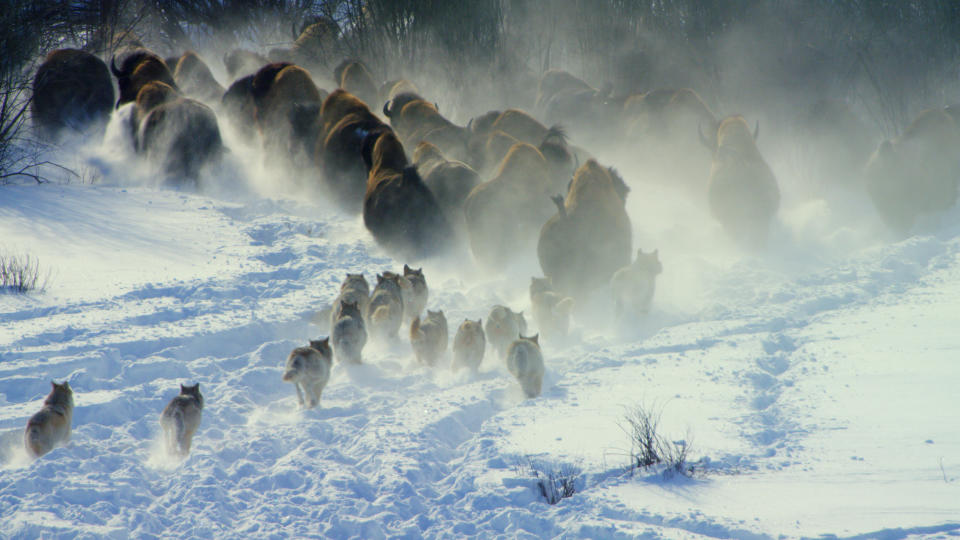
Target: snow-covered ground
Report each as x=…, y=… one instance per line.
x=815, y=384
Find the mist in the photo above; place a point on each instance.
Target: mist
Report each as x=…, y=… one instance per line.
x=771, y=62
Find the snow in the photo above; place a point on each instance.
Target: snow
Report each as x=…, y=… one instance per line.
x=814, y=383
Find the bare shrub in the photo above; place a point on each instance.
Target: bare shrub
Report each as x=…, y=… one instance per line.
x=553, y=483
x=648, y=448
x=21, y=274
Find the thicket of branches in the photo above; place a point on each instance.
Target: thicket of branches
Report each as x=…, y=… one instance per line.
x=891, y=56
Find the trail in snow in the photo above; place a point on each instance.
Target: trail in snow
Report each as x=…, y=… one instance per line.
x=813, y=381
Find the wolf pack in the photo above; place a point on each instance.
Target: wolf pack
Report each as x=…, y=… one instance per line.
x=358, y=315
x=504, y=186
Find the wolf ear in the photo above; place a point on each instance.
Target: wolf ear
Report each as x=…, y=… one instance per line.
x=480, y=321
x=407, y=269
x=535, y=338
x=183, y=389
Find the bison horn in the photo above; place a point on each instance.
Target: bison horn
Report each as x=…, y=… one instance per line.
x=386, y=108
x=703, y=139
x=576, y=162
x=558, y=200
x=470, y=125
x=756, y=130
x=113, y=66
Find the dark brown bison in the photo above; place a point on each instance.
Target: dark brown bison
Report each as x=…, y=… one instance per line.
x=396, y=103
x=339, y=104
x=661, y=129
x=349, y=131
x=238, y=105
x=589, y=238
x=520, y=125
x=241, y=62
x=136, y=68
x=917, y=173
x=504, y=214
x=391, y=89
x=556, y=81
x=316, y=43
x=585, y=111
x=152, y=95
x=398, y=208
x=72, y=91
x=346, y=156
x=287, y=109
x=494, y=133
x=354, y=77
x=419, y=120
x=834, y=144
x=195, y=79
x=450, y=181
x=182, y=138
x=742, y=191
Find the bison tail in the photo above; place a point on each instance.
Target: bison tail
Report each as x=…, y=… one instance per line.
x=557, y=132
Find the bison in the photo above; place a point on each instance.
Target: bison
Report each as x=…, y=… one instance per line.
x=349, y=131
x=138, y=67
x=661, y=129
x=241, y=62
x=504, y=214
x=195, y=79
x=398, y=208
x=316, y=43
x=590, y=236
x=181, y=137
x=917, y=173
x=393, y=88
x=238, y=105
x=287, y=106
x=419, y=120
x=835, y=144
x=72, y=91
x=354, y=77
x=742, y=190
x=449, y=180
x=556, y=81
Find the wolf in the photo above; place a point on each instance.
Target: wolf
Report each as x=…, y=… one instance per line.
x=308, y=368
x=385, y=311
x=413, y=287
x=469, y=345
x=429, y=338
x=181, y=418
x=354, y=289
x=525, y=362
x=348, y=332
x=632, y=286
x=550, y=310
x=50, y=427
x=503, y=327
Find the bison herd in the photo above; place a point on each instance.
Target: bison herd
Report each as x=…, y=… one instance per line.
x=504, y=183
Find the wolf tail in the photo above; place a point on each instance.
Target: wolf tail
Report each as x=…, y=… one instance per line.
x=520, y=359
x=415, y=331
x=180, y=429
x=33, y=440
